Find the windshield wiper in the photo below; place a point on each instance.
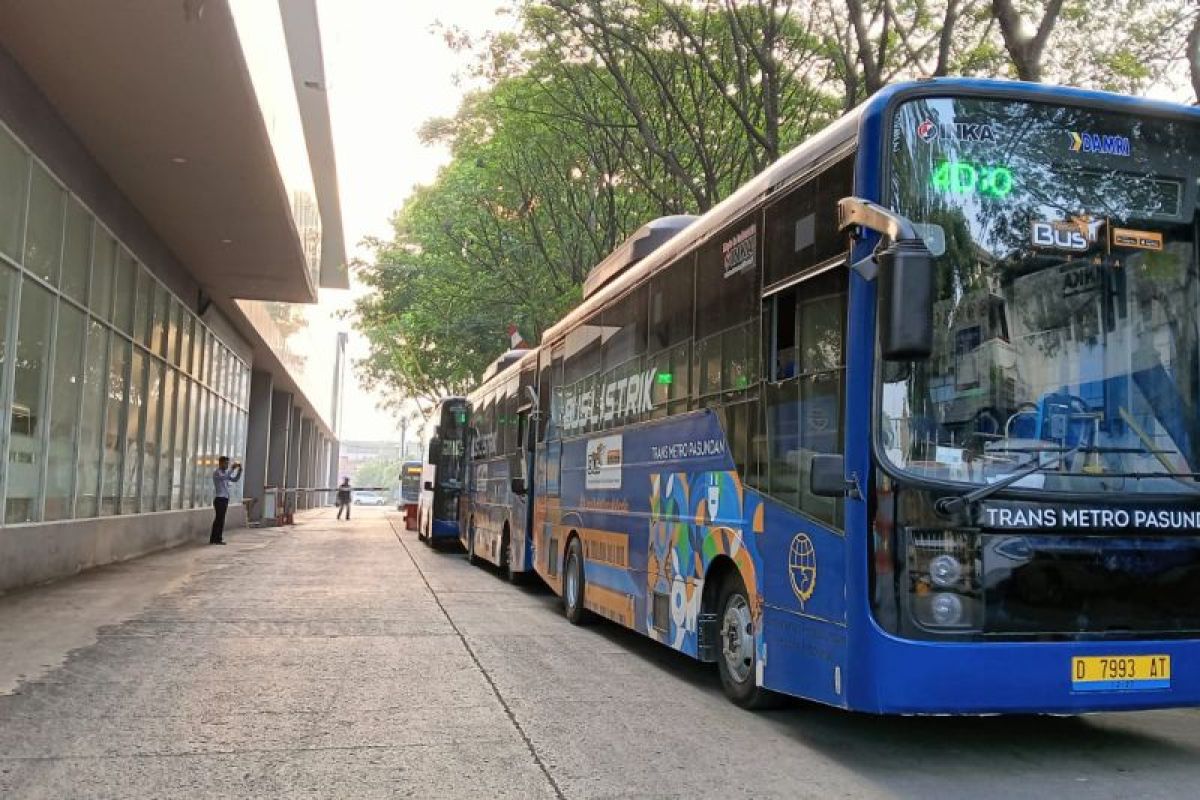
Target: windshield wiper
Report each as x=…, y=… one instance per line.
x=950, y=506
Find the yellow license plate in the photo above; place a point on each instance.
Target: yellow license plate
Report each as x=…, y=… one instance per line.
x=1120, y=673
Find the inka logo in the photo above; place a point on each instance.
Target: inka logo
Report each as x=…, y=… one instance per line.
x=929, y=131
x=1100, y=144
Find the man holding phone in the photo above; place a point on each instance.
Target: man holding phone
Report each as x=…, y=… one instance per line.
x=222, y=476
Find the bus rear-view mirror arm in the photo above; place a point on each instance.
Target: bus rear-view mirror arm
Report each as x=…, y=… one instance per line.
x=904, y=267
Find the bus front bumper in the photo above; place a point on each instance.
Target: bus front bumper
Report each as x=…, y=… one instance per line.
x=443, y=530
x=912, y=677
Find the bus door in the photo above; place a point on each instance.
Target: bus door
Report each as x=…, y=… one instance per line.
x=521, y=471
x=803, y=545
x=548, y=463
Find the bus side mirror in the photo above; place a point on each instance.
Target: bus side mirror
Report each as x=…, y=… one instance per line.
x=827, y=477
x=905, y=272
x=429, y=486
x=906, y=301
x=518, y=486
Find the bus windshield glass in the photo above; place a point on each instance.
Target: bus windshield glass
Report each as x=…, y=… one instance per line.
x=1067, y=298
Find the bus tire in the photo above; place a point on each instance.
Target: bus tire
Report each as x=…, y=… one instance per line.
x=574, y=584
x=737, y=660
x=472, y=559
x=506, y=565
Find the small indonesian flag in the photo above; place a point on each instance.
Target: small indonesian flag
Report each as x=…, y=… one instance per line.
x=517, y=340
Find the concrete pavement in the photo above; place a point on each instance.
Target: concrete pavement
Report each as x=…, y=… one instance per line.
x=348, y=660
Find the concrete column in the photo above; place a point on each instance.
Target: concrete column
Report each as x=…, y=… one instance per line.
x=258, y=440
x=281, y=428
x=294, y=449
x=334, y=452
x=304, y=475
x=322, y=467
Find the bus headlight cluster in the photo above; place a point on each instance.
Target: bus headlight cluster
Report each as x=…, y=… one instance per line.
x=943, y=579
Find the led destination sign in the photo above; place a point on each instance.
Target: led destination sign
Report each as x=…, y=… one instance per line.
x=1012, y=516
x=968, y=177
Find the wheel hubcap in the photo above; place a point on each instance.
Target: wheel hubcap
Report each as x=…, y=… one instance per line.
x=737, y=638
x=572, y=582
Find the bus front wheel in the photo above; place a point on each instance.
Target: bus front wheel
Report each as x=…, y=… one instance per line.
x=738, y=660
x=574, y=584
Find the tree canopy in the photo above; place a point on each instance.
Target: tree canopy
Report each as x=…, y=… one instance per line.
x=599, y=115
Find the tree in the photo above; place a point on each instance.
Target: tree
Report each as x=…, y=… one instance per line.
x=599, y=115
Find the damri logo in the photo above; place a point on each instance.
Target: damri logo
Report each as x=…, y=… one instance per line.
x=928, y=131
x=1101, y=144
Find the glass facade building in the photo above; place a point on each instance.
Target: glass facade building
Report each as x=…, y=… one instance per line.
x=116, y=398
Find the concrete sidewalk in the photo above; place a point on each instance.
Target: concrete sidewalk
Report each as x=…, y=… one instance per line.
x=310, y=660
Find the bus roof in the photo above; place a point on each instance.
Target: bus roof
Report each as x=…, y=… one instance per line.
x=839, y=137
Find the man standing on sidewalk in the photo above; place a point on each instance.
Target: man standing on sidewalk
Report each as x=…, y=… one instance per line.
x=222, y=476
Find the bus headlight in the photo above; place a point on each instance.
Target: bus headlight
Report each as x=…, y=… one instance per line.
x=946, y=609
x=943, y=569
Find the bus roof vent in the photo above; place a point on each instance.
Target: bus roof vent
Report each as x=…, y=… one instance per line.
x=644, y=241
x=502, y=363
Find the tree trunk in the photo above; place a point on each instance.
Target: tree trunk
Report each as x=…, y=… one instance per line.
x=1193, y=48
x=1024, y=49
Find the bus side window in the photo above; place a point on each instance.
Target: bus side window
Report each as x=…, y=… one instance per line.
x=670, y=335
x=728, y=269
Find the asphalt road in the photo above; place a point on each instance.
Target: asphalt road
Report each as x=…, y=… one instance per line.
x=340, y=659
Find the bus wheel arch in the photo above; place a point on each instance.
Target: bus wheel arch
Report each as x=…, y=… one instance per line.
x=709, y=622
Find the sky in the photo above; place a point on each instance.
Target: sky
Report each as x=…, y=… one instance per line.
x=386, y=73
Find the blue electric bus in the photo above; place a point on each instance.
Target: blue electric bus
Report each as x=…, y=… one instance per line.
x=910, y=423
x=497, y=510
x=442, y=472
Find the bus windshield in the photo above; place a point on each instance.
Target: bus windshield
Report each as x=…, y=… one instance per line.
x=1067, y=298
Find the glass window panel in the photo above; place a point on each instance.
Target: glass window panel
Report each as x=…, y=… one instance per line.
x=727, y=279
x=114, y=424
x=14, y=182
x=28, y=423
x=179, y=452
x=8, y=292
x=210, y=349
x=174, y=311
x=136, y=419
x=95, y=380
x=162, y=305
x=66, y=388
x=44, y=231
x=821, y=432
x=197, y=445
x=104, y=255
x=783, y=437
x=671, y=304
x=143, y=306
x=152, y=432
x=185, y=340
x=166, y=456
x=125, y=291
x=77, y=251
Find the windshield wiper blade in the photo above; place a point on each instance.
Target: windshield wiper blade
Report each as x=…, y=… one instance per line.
x=951, y=506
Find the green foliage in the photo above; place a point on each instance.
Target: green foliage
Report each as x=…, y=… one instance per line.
x=600, y=115
x=380, y=471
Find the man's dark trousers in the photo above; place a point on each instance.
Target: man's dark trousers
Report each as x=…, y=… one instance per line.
x=220, y=505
